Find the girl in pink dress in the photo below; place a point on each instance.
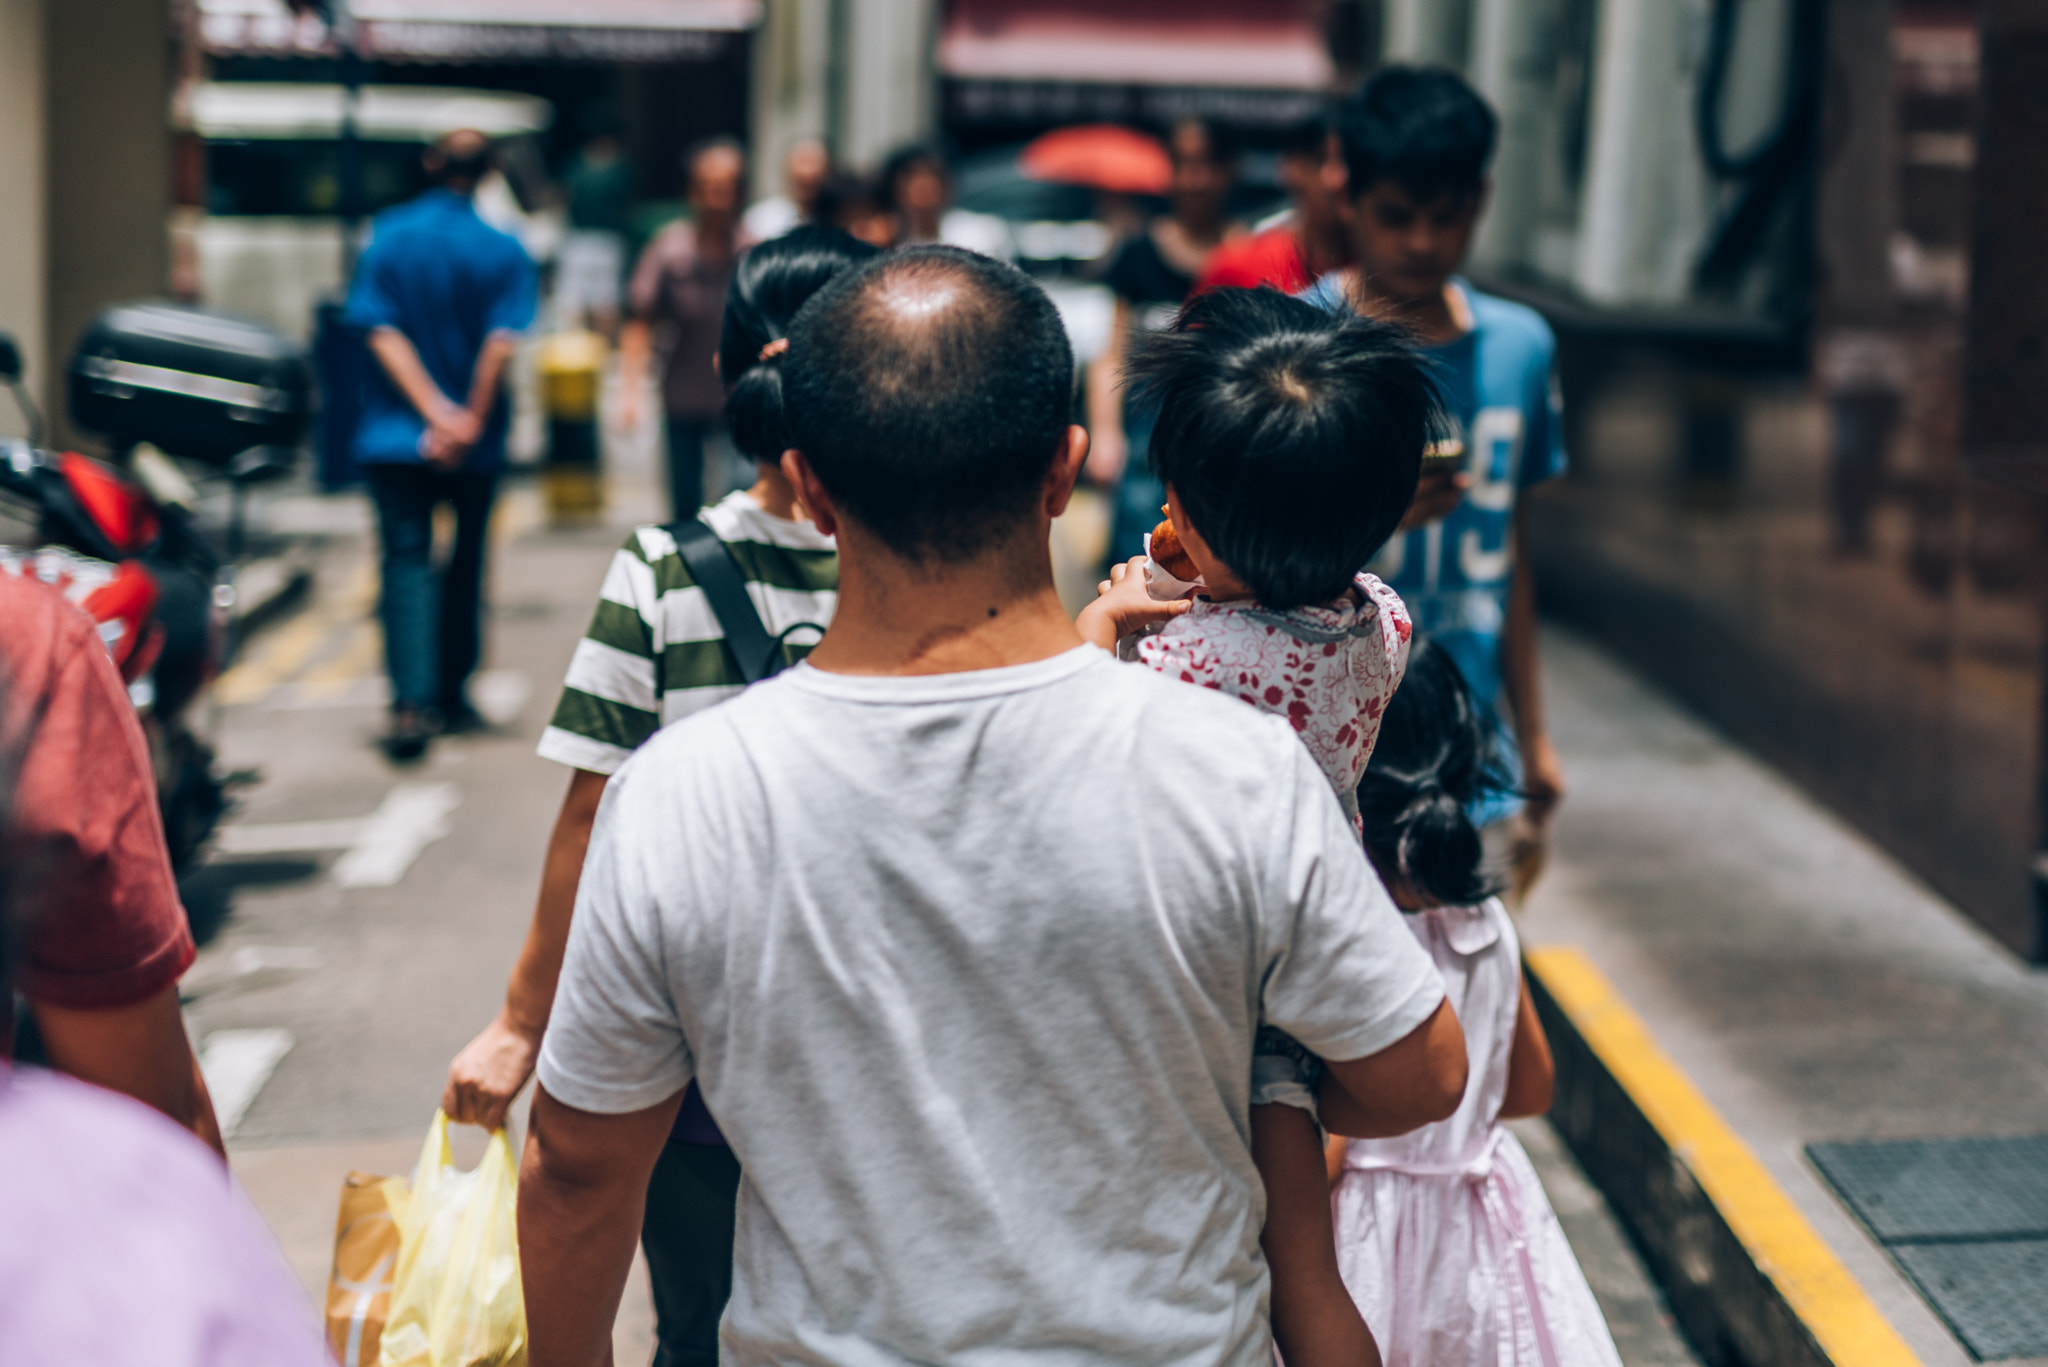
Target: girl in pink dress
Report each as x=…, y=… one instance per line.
x=1444, y=1235
x=1290, y=441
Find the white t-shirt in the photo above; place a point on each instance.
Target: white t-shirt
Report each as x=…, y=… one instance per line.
x=968, y=967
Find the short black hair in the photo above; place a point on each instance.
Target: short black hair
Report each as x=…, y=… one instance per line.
x=934, y=432
x=1422, y=127
x=771, y=283
x=1292, y=435
x=1438, y=754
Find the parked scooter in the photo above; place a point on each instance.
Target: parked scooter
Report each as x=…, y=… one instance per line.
x=121, y=536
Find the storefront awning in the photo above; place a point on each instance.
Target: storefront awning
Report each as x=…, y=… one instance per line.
x=1266, y=45
x=486, y=30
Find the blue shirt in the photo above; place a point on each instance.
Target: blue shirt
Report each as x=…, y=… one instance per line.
x=1454, y=574
x=447, y=280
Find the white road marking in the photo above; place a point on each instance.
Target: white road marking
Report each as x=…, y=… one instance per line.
x=246, y=961
x=500, y=694
x=379, y=848
x=236, y=1064
x=412, y=817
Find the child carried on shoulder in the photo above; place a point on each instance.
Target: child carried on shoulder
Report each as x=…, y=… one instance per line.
x=1290, y=441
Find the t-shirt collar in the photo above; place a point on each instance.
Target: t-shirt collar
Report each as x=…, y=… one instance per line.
x=762, y=525
x=960, y=686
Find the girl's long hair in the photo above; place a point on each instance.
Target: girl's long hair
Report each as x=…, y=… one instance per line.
x=1438, y=753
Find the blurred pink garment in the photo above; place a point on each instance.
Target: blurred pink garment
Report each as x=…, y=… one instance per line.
x=1444, y=1236
x=124, y=1242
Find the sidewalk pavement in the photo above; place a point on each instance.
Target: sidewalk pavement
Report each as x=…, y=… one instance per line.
x=1809, y=988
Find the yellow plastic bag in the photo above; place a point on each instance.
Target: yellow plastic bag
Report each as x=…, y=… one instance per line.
x=455, y=1298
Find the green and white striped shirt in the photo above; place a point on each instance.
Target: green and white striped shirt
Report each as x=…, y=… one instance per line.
x=655, y=652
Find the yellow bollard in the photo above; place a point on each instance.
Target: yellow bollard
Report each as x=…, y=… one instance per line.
x=571, y=366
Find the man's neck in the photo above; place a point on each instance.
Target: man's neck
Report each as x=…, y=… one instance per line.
x=898, y=617
x=1434, y=318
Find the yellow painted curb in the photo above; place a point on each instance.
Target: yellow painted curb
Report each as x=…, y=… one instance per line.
x=1817, y=1288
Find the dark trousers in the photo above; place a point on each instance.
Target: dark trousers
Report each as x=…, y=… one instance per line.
x=687, y=1234
x=433, y=615
x=686, y=464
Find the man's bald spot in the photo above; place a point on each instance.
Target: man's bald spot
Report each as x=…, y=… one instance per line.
x=917, y=312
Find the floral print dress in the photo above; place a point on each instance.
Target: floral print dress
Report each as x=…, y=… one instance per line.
x=1330, y=670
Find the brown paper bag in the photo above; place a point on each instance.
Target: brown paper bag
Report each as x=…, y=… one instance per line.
x=365, y=1251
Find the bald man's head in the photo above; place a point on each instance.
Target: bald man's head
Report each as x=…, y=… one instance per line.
x=930, y=391
x=458, y=160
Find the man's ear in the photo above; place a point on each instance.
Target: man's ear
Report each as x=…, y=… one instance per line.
x=810, y=492
x=1066, y=469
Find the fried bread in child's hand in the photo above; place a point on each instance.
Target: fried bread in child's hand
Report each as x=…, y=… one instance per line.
x=1169, y=555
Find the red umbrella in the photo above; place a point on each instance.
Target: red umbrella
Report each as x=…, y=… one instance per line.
x=1101, y=155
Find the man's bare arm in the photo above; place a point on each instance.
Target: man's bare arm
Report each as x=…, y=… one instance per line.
x=1521, y=680
x=582, y=1193
x=140, y=1050
x=1416, y=1081
x=489, y=372
x=489, y=1072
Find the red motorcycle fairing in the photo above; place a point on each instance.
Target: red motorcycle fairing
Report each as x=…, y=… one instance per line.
x=121, y=600
x=119, y=507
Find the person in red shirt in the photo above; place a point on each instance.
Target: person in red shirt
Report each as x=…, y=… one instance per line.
x=84, y=869
x=1309, y=239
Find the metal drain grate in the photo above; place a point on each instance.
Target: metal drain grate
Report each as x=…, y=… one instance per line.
x=1994, y=1295
x=1967, y=1219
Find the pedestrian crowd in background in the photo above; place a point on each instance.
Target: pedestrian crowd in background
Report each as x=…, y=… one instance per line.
x=919, y=973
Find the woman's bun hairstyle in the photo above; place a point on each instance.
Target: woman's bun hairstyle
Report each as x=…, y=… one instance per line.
x=1437, y=754
x=773, y=281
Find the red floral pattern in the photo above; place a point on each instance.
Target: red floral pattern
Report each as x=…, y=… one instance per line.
x=1332, y=680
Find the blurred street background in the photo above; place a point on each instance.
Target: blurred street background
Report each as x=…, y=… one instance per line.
x=1795, y=582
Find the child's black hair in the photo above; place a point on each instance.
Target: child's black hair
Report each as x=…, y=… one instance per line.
x=772, y=282
x=1437, y=754
x=1293, y=436
x=1422, y=127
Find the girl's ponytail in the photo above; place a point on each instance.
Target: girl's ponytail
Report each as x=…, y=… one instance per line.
x=1438, y=849
x=770, y=284
x=1436, y=756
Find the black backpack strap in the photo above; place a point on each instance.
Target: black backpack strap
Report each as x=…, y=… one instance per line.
x=715, y=571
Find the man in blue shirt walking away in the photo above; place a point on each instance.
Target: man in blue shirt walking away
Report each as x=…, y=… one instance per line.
x=443, y=297
x=1416, y=143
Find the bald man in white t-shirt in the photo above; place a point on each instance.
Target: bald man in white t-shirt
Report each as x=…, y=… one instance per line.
x=962, y=928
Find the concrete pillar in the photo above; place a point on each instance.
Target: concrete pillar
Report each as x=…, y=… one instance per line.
x=790, y=85
x=24, y=225
x=1634, y=120
x=1427, y=32
x=887, y=80
x=109, y=163
x=1511, y=66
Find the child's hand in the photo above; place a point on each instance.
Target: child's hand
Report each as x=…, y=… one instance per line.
x=1123, y=606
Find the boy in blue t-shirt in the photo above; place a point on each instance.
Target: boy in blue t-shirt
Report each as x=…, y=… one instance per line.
x=1416, y=143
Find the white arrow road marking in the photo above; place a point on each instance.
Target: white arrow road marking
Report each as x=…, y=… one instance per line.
x=412, y=817
x=379, y=847
x=236, y=1064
